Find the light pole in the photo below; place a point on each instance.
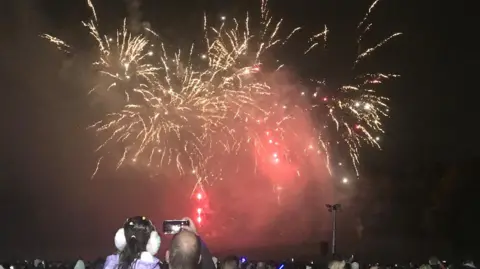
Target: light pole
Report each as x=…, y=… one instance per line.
x=333, y=209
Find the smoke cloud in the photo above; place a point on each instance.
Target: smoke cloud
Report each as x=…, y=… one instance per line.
x=134, y=19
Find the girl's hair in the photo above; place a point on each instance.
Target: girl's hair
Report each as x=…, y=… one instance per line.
x=137, y=233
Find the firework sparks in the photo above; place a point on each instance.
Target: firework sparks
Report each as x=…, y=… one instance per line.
x=183, y=108
x=173, y=111
x=356, y=110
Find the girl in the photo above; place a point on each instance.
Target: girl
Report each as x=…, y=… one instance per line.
x=137, y=243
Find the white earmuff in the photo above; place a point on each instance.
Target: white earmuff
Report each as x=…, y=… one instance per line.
x=120, y=240
x=153, y=244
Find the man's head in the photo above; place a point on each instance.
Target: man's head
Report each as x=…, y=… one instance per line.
x=184, y=251
x=433, y=260
x=230, y=262
x=261, y=265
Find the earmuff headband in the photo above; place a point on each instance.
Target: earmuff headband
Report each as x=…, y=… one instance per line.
x=153, y=244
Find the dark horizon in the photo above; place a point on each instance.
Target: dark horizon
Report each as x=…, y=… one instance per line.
x=424, y=174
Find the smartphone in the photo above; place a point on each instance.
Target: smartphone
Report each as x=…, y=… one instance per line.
x=174, y=226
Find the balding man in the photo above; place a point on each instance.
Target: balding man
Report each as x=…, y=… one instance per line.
x=230, y=262
x=184, y=251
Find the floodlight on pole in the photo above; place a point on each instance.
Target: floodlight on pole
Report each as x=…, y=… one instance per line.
x=333, y=209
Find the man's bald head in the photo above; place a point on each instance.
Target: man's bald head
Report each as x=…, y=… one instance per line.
x=184, y=251
x=230, y=262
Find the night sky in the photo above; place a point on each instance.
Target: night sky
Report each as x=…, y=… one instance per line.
x=50, y=207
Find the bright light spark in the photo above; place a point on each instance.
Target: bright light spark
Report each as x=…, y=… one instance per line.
x=177, y=112
x=357, y=112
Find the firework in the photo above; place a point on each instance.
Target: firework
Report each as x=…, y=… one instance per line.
x=184, y=108
x=173, y=111
x=355, y=110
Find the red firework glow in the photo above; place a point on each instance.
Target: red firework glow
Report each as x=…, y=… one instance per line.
x=194, y=119
x=201, y=203
x=272, y=127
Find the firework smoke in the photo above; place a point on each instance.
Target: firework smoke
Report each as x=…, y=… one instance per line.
x=192, y=109
x=134, y=19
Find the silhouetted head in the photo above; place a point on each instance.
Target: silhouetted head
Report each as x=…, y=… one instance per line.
x=230, y=262
x=184, y=251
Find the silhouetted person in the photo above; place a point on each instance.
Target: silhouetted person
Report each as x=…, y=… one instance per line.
x=206, y=258
x=230, y=262
x=435, y=263
x=184, y=251
x=468, y=264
